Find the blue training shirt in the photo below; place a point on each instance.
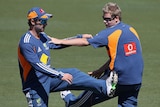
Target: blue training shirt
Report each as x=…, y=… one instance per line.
x=34, y=60
x=124, y=49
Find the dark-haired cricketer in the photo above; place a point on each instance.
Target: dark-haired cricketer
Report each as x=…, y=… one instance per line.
x=38, y=77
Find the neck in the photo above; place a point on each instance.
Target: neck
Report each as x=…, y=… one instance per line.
x=35, y=34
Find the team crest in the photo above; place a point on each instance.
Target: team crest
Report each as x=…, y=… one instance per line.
x=45, y=45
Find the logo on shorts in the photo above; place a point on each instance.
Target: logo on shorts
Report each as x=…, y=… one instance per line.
x=130, y=48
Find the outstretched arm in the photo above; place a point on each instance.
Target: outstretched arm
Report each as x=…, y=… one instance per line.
x=75, y=42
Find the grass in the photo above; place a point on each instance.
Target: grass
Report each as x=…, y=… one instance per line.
x=72, y=17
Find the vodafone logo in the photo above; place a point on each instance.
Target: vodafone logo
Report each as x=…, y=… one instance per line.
x=130, y=48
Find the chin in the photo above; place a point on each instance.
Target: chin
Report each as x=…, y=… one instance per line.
x=42, y=30
x=107, y=26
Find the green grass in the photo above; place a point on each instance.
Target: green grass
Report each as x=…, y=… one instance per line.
x=72, y=17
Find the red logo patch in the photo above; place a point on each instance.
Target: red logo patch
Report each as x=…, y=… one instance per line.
x=130, y=48
x=41, y=10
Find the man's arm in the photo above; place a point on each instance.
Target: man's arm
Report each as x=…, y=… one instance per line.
x=97, y=73
x=31, y=57
x=74, y=42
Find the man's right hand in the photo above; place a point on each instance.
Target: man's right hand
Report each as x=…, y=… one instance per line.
x=67, y=77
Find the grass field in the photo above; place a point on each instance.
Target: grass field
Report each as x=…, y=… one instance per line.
x=72, y=17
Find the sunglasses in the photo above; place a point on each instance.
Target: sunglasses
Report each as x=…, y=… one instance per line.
x=42, y=22
x=108, y=19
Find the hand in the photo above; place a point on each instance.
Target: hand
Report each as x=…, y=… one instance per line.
x=67, y=77
x=87, y=36
x=95, y=74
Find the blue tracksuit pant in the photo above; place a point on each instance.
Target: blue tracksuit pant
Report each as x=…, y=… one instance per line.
x=127, y=96
x=37, y=96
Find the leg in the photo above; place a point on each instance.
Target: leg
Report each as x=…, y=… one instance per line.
x=128, y=95
x=86, y=99
x=36, y=100
x=81, y=81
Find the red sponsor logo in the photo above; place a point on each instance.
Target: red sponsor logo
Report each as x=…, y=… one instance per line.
x=130, y=48
x=41, y=10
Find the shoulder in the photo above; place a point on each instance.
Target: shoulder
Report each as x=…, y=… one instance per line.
x=26, y=39
x=123, y=25
x=127, y=27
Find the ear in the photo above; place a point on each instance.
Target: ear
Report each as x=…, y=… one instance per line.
x=117, y=18
x=32, y=22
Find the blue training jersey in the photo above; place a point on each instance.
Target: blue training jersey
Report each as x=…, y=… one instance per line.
x=125, y=52
x=34, y=60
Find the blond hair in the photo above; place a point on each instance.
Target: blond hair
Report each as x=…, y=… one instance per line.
x=113, y=9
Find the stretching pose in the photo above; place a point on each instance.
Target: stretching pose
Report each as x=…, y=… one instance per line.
x=38, y=77
x=124, y=50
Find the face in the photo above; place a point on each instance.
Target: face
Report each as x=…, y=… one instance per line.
x=40, y=25
x=108, y=20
